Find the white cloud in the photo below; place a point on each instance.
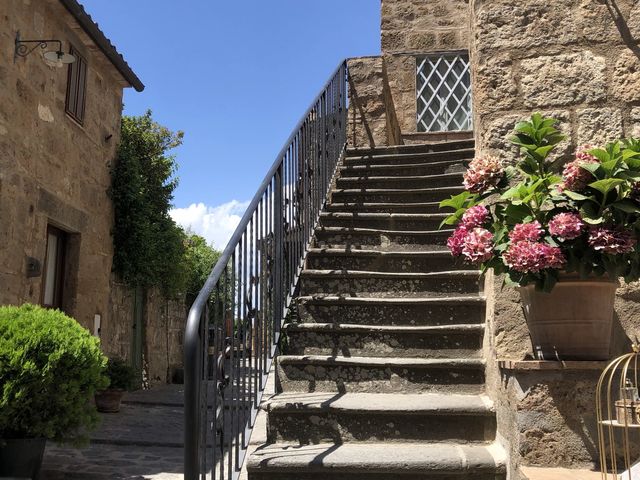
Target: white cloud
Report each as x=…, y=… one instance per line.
x=216, y=224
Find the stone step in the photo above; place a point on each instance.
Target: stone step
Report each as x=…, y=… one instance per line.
x=377, y=261
x=392, y=311
x=414, y=222
x=385, y=207
x=439, y=148
x=396, y=181
x=318, y=373
x=378, y=461
x=382, y=157
x=380, y=239
x=410, y=195
x=350, y=340
x=387, y=284
x=374, y=417
x=364, y=168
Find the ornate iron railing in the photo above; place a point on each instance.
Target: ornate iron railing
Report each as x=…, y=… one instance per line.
x=234, y=325
x=443, y=91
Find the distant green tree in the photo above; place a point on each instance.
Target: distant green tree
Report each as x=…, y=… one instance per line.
x=199, y=260
x=148, y=245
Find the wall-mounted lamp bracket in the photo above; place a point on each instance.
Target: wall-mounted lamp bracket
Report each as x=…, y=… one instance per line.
x=24, y=47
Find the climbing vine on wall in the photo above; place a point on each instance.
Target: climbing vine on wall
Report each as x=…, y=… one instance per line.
x=148, y=245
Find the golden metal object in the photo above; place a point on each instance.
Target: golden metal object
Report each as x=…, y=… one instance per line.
x=618, y=415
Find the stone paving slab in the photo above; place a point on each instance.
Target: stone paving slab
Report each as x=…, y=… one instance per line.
x=112, y=462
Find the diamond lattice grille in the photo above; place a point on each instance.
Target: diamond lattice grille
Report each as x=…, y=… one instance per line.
x=443, y=93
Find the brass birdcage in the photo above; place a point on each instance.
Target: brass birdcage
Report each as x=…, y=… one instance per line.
x=618, y=416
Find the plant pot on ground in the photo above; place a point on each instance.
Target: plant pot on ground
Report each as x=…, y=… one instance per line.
x=50, y=368
x=563, y=235
x=122, y=378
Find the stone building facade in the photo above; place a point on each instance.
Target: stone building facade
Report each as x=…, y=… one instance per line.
x=577, y=60
x=59, y=130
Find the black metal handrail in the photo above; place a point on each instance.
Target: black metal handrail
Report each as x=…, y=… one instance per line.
x=234, y=324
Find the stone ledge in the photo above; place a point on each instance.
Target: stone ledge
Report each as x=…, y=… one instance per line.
x=536, y=473
x=549, y=365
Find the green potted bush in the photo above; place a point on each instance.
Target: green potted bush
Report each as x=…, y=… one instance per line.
x=122, y=378
x=562, y=235
x=50, y=367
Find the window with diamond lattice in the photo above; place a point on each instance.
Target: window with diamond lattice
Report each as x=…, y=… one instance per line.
x=443, y=87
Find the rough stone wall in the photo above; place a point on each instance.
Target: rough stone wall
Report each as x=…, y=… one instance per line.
x=410, y=27
x=52, y=169
x=163, y=331
x=164, y=322
x=367, y=124
x=424, y=25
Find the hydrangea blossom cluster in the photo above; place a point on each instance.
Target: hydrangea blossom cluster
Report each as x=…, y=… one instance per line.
x=475, y=217
x=531, y=231
x=576, y=178
x=612, y=241
x=475, y=244
x=483, y=173
x=530, y=257
x=566, y=226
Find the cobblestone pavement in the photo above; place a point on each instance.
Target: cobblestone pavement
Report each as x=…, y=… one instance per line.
x=143, y=441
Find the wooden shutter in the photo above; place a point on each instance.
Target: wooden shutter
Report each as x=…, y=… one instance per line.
x=76, y=87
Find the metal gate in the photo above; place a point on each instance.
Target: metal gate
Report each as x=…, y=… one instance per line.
x=443, y=88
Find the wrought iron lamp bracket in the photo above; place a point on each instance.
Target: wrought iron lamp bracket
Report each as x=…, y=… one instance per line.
x=25, y=47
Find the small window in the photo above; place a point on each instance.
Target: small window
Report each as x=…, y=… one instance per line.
x=53, y=280
x=76, y=87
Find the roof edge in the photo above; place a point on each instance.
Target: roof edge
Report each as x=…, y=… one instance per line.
x=94, y=32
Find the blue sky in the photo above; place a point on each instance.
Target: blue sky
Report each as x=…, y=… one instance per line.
x=235, y=77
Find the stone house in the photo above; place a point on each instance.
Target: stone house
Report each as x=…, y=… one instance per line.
x=59, y=130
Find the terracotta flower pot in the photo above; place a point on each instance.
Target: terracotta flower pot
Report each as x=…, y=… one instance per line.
x=572, y=322
x=108, y=401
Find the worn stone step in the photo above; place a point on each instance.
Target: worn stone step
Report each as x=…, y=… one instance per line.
x=397, y=181
x=414, y=222
x=370, y=417
x=350, y=340
x=387, y=284
x=317, y=373
x=432, y=151
x=392, y=311
x=385, y=207
x=378, y=461
x=364, y=168
x=412, y=195
x=382, y=157
x=377, y=261
x=380, y=239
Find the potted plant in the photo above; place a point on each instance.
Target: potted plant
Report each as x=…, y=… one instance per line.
x=564, y=237
x=50, y=367
x=122, y=378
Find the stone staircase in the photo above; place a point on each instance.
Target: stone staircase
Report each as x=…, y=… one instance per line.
x=383, y=375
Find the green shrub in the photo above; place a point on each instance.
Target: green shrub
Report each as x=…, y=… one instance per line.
x=50, y=367
x=121, y=375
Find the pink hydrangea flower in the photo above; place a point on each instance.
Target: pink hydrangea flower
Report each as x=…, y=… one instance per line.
x=531, y=257
x=456, y=241
x=566, y=226
x=483, y=173
x=475, y=217
x=478, y=245
x=531, y=231
x=576, y=178
x=612, y=241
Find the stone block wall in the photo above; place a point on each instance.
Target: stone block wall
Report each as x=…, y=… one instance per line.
x=52, y=169
x=163, y=322
x=577, y=60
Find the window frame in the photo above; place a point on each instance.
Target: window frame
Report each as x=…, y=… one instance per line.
x=59, y=266
x=76, y=95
